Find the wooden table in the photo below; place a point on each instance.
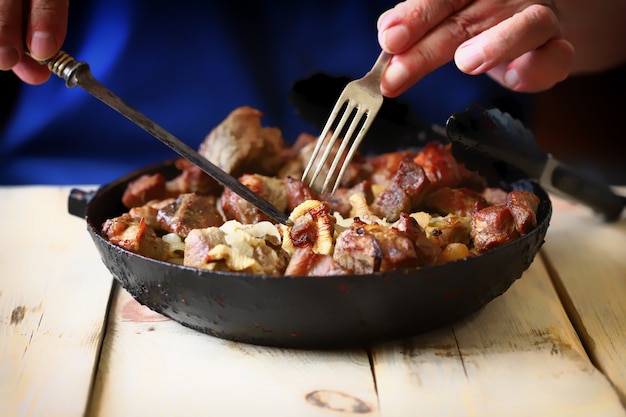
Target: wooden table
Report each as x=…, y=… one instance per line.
x=73, y=343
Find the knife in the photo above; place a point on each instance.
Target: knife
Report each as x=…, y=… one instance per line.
x=489, y=140
x=77, y=73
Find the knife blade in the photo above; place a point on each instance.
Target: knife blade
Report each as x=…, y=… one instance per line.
x=489, y=140
x=77, y=73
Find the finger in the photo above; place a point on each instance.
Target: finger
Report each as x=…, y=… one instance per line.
x=405, y=24
x=11, y=38
x=513, y=37
x=30, y=71
x=537, y=70
x=46, y=27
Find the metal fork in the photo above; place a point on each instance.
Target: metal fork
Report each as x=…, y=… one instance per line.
x=360, y=101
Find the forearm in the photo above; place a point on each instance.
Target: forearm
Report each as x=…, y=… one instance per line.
x=597, y=29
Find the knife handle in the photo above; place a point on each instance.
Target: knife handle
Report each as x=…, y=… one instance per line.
x=583, y=189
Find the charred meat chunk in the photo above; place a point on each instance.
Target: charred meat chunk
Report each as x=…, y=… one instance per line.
x=305, y=262
x=405, y=191
x=368, y=248
x=188, y=212
x=443, y=170
x=523, y=205
x=236, y=208
x=144, y=189
x=456, y=201
x=493, y=226
x=133, y=234
x=240, y=145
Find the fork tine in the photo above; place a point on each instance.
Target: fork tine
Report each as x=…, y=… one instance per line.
x=364, y=128
x=360, y=101
x=321, y=140
x=340, y=156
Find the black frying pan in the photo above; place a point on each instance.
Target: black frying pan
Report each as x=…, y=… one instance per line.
x=309, y=312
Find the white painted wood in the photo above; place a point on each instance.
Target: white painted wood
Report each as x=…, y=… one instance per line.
x=152, y=366
x=589, y=260
x=54, y=292
x=519, y=356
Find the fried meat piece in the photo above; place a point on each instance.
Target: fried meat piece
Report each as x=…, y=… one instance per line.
x=493, y=226
x=187, y=212
x=367, y=248
x=239, y=145
x=192, y=180
x=443, y=170
x=385, y=166
x=456, y=201
x=297, y=193
x=305, y=262
x=133, y=234
x=236, y=208
x=405, y=191
x=523, y=205
x=427, y=251
x=145, y=188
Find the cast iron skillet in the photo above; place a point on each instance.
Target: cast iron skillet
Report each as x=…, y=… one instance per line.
x=309, y=312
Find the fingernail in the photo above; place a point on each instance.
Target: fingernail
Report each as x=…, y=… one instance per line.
x=8, y=57
x=396, y=77
x=43, y=45
x=395, y=39
x=468, y=59
x=511, y=78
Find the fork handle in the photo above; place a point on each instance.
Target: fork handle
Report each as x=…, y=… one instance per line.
x=380, y=65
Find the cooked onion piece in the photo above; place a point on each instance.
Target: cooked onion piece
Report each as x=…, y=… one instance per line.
x=250, y=248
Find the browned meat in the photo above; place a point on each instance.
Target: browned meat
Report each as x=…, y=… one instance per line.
x=192, y=180
x=457, y=201
x=523, y=205
x=443, y=170
x=385, y=166
x=133, y=234
x=236, y=208
x=239, y=145
x=368, y=248
x=187, y=212
x=405, y=191
x=149, y=211
x=427, y=251
x=491, y=227
x=306, y=262
x=144, y=189
x=297, y=193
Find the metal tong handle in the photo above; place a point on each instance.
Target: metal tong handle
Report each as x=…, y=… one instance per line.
x=77, y=73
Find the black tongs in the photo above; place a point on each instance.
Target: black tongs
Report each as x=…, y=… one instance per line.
x=493, y=142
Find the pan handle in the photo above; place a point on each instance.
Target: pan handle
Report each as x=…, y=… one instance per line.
x=78, y=200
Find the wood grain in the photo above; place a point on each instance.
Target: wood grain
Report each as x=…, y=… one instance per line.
x=588, y=260
x=154, y=366
x=519, y=356
x=54, y=292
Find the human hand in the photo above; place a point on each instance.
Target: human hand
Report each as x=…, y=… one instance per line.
x=518, y=43
x=40, y=26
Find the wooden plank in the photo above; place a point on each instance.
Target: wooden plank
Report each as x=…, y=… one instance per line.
x=54, y=292
x=153, y=366
x=589, y=262
x=519, y=356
